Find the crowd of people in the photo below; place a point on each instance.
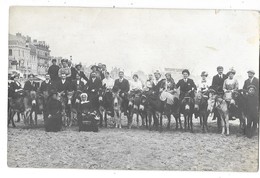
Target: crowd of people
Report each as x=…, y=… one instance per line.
x=68, y=78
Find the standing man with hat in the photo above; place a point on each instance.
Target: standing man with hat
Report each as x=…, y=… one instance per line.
x=218, y=80
x=53, y=71
x=122, y=84
x=93, y=85
x=80, y=73
x=187, y=85
x=73, y=71
x=252, y=80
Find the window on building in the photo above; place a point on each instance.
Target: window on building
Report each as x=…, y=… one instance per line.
x=19, y=53
x=10, y=52
x=23, y=53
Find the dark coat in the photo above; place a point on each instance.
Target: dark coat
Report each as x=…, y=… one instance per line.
x=53, y=72
x=186, y=86
x=123, y=86
x=73, y=74
x=64, y=86
x=217, y=83
x=12, y=87
x=82, y=75
x=28, y=86
x=156, y=88
x=96, y=85
x=46, y=86
x=79, y=86
x=248, y=82
x=53, y=108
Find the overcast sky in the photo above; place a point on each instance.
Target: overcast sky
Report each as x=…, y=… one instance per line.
x=142, y=39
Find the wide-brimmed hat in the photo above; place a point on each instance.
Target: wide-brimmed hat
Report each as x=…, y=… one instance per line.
x=78, y=65
x=186, y=71
x=92, y=67
x=251, y=71
x=231, y=71
x=204, y=73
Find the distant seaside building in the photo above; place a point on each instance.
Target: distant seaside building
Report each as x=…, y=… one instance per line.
x=28, y=56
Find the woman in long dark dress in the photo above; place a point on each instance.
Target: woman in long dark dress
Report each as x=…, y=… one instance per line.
x=53, y=120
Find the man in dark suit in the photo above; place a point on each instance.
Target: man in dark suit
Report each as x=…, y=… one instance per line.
x=93, y=85
x=218, y=81
x=80, y=73
x=252, y=80
x=30, y=85
x=217, y=85
x=187, y=85
x=73, y=71
x=53, y=71
x=46, y=85
x=78, y=84
x=63, y=85
x=122, y=84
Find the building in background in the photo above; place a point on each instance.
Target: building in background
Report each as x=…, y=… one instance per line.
x=43, y=56
x=27, y=56
x=19, y=54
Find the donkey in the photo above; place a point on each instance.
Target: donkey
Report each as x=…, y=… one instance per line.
x=222, y=108
x=117, y=107
x=200, y=110
x=31, y=104
x=187, y=109
x=105, y=99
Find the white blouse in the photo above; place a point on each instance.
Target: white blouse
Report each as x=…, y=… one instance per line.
x=136, y=85
x=109, y=83
x=203, y=85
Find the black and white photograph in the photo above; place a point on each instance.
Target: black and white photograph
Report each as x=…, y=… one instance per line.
x=133, y=89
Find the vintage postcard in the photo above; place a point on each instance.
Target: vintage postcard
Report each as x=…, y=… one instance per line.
x=133, y=89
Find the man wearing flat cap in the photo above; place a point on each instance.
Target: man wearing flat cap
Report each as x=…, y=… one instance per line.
x=218, y=80
x=252, y=80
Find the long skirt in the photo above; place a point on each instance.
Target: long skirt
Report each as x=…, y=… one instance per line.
x=54, y=123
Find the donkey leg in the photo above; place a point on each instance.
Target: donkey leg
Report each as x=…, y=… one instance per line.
x=185, y=123
x=11, y=119
x=227, y=123
x=105, y=117
x=18, y=117
x=36, y=117
x=120, y=119
x=169, y=121
x=191, y=124
x=223, y=125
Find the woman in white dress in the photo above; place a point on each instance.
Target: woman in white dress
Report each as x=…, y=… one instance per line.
x=203, y=85
x=108, y=81
x=136, y=84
